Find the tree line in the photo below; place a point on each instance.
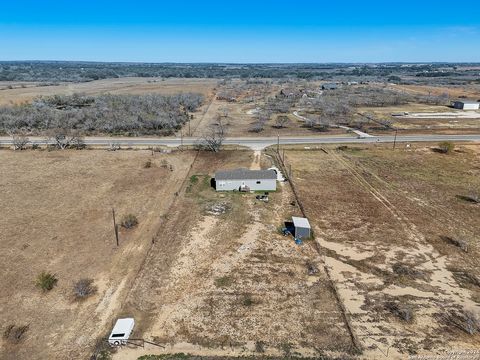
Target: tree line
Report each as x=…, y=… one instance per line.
x=129, y=115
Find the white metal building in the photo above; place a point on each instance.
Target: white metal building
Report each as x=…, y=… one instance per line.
x=302, y=227
x=466, y=105
x=238, y=179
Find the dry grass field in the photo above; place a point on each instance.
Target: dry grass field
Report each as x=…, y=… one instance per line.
x=400, y=241
x=443, y=119
x=228, y=283
x=470, y=91
x=57, y=217
x=210, y=274
x=196, y=279
x=25, y=92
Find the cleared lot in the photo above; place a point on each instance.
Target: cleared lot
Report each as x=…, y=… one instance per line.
x=57, y=217
x=16, y=93
x=388, y=224
x=226, y=282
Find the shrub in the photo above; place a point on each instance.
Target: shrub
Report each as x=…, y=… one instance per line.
x=247, y=300
x=83, y=288
x=103, y=355
x=148, y=164
x=402, y=311
x=194, y=179
x=406, y=270
x=46, y=281
x=129, y=221
x=446, y=147
x=466, y=321
x=286, y=349
x=456, y=242
x=223, y=281
x=260, y=346
x=14, y=334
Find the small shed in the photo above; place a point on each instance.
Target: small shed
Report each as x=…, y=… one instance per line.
x=466, y=105
x=302, y=227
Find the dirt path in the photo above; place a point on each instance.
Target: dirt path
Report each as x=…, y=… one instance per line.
x=209, y=114
x=257, y=154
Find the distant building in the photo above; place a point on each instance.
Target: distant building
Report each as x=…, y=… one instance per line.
x=329, y=86
x=466, y=105
x=244, y=179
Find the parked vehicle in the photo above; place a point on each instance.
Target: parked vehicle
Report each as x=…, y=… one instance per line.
x=262, y=198
x=121, y=332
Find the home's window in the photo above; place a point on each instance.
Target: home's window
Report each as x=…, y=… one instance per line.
x=258, y=182
x=117, y=335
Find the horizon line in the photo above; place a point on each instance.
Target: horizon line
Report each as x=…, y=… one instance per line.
x=240, y=63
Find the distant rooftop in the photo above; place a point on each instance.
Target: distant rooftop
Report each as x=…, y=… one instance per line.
x=245, y=174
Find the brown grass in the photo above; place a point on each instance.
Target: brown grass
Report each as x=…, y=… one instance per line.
x=373, y=209
x=58, y=216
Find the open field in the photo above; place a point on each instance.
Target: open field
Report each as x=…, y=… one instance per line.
x=385, y=222
x=23, y=92
x=229, y=283
x=423, y=118
x=470, y=91
x=57, y=217
x=209, y=273
x=207, y=280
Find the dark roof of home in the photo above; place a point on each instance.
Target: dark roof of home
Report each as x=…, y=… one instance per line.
x=245, y=174
x=464, y=101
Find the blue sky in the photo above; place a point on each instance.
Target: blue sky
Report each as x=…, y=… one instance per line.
x=240, y=31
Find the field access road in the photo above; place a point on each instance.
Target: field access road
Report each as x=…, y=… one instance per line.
x=258, y=143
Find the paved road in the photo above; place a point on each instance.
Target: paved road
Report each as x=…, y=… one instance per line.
x=258, y=143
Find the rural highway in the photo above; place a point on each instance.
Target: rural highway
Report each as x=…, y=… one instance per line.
x=259, y=143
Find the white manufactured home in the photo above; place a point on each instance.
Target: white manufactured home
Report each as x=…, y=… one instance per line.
x=466, y=105
x=244, y=179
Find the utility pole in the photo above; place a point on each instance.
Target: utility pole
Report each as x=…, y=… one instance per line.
x=278, y=144
x=181, y=139
x=395, y=139
x=115, y=227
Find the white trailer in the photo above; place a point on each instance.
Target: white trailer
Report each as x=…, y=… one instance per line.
x=121, y=332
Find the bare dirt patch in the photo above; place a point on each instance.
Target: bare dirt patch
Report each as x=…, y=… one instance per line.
x=376, y=213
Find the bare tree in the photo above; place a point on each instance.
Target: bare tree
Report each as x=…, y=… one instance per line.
x=20, y=141
x=257, y=126
x=213, y=139
x=281, y=121
x=83, y=288
x=261, y=118
x=65, y=138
